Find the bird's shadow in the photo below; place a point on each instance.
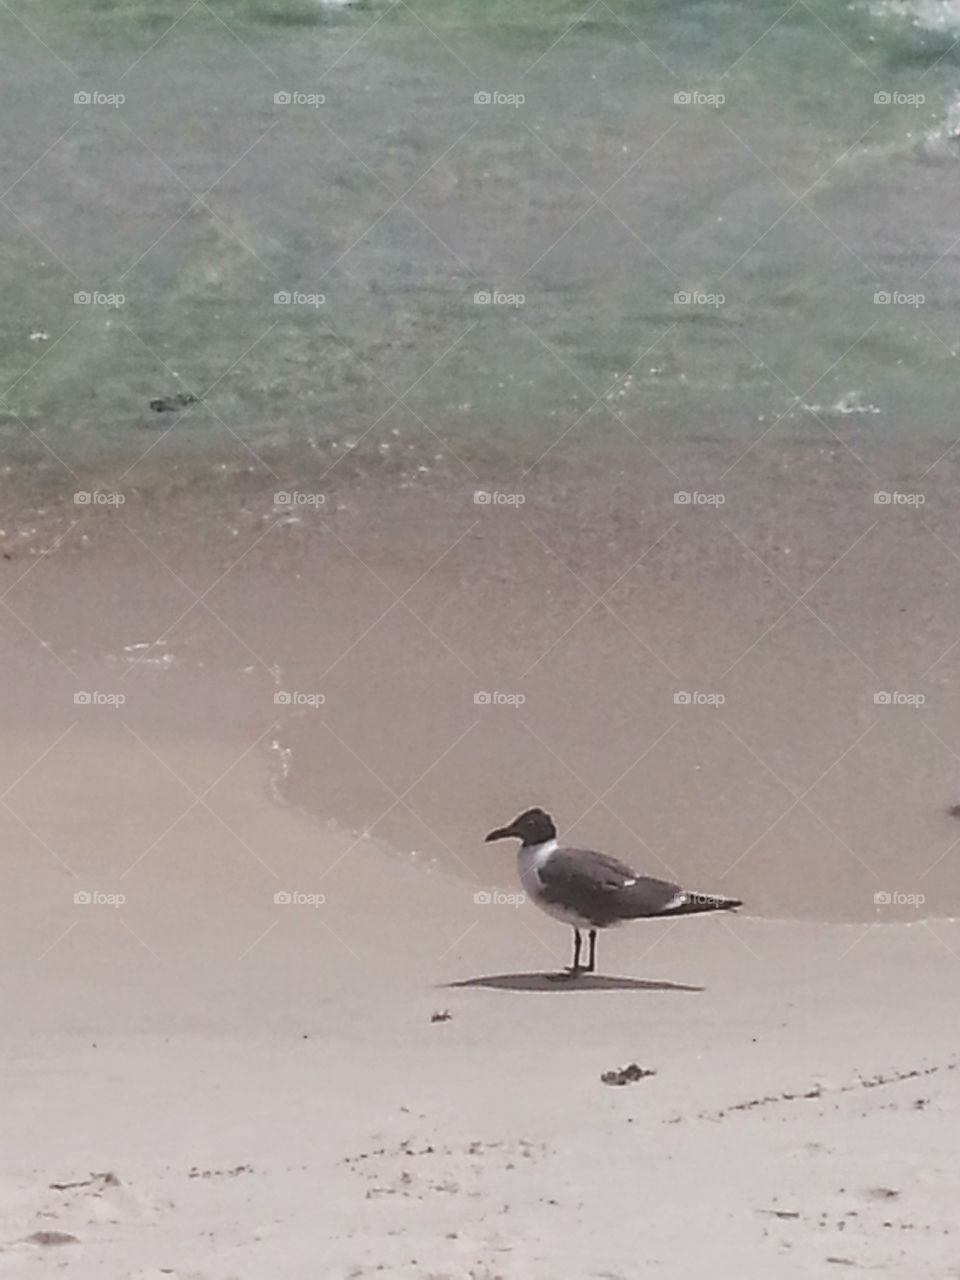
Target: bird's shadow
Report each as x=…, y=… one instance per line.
x=567, y=982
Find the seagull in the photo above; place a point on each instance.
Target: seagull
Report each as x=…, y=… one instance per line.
x=589, y=890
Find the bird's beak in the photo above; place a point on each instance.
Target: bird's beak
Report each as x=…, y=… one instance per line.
x=501, y=833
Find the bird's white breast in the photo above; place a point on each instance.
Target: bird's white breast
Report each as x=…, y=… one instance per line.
x=530, y=859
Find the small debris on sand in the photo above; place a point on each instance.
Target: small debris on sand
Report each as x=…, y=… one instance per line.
x=220, y=1173
x=52, y=1238
x=626, y=1075
x=442, y=1015
x=95, y=1179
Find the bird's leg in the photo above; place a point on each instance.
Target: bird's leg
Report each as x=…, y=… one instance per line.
x=592, y=962
x=575, y=967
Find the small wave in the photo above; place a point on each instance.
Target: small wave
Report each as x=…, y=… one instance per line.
x=923, y=15
x=850, y=403
x=949, y=130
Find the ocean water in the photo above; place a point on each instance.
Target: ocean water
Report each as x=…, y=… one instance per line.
x=618, y=339
x=633, y=155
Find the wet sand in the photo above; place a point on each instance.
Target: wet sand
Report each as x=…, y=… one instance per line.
x=762, y=706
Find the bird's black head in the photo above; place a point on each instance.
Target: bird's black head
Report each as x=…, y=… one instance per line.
x=532, y=827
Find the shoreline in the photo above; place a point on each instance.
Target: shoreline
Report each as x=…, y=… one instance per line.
x=440, y=659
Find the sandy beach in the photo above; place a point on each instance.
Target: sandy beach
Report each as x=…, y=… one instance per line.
x=203, y=1084
x=416, y=413
x=387, y=1083
x=379, y=1076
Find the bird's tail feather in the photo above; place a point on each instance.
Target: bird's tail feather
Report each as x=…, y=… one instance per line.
x=694, y=903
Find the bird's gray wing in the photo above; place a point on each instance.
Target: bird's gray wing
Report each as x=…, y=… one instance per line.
x=602, y=888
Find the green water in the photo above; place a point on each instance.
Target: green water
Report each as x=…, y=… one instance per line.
x=597, y=200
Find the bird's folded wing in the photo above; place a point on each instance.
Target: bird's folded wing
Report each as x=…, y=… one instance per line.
x=570, y=874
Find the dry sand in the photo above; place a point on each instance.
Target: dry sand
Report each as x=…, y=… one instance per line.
x=203, y=1083
x=269, y=1088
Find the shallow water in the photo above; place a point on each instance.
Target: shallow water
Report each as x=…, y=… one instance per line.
x=599, y=200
